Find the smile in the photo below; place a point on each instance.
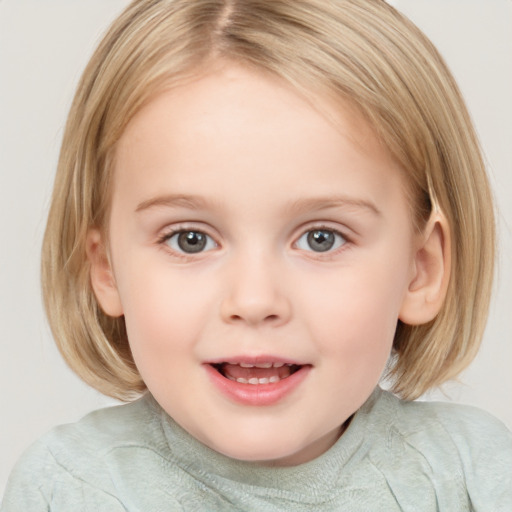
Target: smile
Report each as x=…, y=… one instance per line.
x=259, y=373
x=257, y=383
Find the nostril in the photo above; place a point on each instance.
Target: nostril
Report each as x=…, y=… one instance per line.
x=254, y=310
x=270, y=319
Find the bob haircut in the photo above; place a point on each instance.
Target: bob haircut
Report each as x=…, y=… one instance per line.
x=360, y=51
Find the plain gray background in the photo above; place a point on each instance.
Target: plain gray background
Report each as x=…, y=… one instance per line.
x=44, y=45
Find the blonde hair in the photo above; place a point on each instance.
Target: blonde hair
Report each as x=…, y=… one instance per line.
x=363, y=51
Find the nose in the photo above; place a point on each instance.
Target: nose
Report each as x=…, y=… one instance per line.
x=256, y=294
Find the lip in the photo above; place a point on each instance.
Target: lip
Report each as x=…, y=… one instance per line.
x=257, y=394
x=255, y=360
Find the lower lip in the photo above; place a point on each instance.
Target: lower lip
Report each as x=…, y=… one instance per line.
x=257, y=394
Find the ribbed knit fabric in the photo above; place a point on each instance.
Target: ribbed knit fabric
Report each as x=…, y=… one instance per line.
x=394, y=456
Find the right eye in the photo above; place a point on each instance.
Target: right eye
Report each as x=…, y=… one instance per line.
x=190, y=242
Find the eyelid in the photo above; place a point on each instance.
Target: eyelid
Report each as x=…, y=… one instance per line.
x=344, y=231
x=167, y=231
x=324, y=226
x=170, y=231
x=210, y=243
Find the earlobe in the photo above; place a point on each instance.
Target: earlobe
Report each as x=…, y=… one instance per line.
x=431, y=273
x=102, y=278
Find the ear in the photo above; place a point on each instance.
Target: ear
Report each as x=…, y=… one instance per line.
x=431, y=269
x=102, y=278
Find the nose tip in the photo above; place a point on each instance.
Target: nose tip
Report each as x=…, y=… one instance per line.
x=255, y=298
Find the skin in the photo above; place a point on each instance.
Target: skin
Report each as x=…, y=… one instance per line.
x=241, y=157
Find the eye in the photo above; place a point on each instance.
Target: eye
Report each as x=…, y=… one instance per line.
x=320, y=240
x=190, y=242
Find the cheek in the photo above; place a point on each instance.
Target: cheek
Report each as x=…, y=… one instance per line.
x=163, y=312
x=355, y=315
x=355, y=334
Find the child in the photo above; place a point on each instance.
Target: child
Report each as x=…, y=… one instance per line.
x=259, y=208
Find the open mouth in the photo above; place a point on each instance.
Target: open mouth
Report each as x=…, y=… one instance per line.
x=259, y=373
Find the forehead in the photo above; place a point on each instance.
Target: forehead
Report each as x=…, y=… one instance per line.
x=248, y=129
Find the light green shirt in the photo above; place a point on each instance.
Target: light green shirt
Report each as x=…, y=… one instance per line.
x=394, y=456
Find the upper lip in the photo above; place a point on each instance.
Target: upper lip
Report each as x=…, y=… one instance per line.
x=255, y=360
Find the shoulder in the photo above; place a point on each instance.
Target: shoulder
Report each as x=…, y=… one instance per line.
x=460, y=439
x=469, y=428
x=102, y=431
x=457, y=421
x=75, y=458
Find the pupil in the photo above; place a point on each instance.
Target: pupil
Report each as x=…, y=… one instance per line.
x=191, y=241
x=321, y=241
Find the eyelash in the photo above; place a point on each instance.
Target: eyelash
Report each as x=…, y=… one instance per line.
x=331, y=251
x=168, y=235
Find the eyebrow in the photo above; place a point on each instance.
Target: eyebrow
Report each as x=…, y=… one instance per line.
x=299, y=206
x=324, y=203
x=175, y=200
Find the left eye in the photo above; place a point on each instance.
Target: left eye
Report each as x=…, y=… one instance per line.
x=190, y=242
x=320, y=240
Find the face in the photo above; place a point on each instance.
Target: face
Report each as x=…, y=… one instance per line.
x=261, y=256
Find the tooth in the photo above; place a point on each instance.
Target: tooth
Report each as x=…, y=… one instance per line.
x=230, y=378
x=263, y=381
x=241, y=380
x=246, y=365
x=273, y=379
x=263, y=365
x=278, y=365
x=253, y=380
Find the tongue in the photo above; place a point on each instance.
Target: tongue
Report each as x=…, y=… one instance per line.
x=235, y=371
